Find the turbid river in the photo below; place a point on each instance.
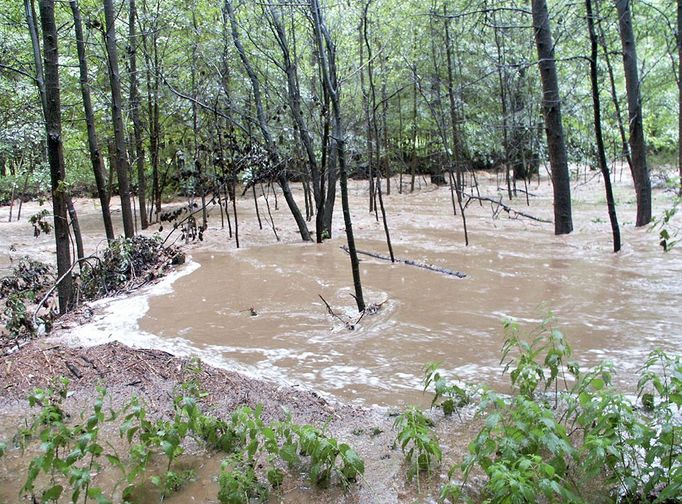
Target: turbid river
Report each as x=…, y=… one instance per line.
x=257, y=309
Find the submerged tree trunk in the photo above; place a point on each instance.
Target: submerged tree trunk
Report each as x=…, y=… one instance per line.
x=601, y=152
x=93, y=145
x=551, y=104
x=55, y=151
x=640, y=170
x=135, y=113
x=327, y=54
x=679, y=86
x=117, y=119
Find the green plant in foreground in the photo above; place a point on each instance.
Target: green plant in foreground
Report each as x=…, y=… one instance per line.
x=70, y=454
x=667, y=230
x=450, y=397
x=256, y=451
x=531, y=447
x=417, y=441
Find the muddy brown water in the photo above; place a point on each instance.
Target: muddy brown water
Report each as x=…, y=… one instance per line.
x=609, y=306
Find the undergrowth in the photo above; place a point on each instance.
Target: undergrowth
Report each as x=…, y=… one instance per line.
x=257, y=454
x=568, y=435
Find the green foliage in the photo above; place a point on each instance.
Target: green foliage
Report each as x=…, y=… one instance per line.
x=537, y=358
x=450, y=397
x=238, y=482
x=417, y=441
x=530, y=446
x=69, y=454
x=668, y=229
x=256, y=451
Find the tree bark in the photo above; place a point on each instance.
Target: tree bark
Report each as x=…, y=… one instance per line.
x=269, y=142
x=640, y=170
x=327, y=53
x=135, y=114
x=551, y=104
x=55, y=151
x=294, y=95
x=93, y=145
x=601, y=151
x=679, y=86
x=122, y=165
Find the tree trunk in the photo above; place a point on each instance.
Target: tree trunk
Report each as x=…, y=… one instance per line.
x=95, y=154
x=55, y=151
x=601, y=152
x=456, y=141
x=117, y=119
x=679, y=85
x=327, y=54
x=269, y=142
x=294, y=95
x=640, y=170
x=135, y=113
x=551, y=104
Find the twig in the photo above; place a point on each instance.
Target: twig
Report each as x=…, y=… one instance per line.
x=331, y=312
x=512, y=213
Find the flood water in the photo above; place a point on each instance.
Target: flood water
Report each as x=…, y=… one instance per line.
x=257, y=309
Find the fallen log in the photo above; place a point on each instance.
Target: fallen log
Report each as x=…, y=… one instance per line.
x=410, y=262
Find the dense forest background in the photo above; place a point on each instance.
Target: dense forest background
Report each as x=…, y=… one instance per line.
x=152, y=99
x=405, y=61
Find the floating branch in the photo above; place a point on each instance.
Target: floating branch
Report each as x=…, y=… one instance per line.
x=410, y=262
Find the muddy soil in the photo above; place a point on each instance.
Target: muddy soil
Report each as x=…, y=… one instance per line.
x=153, y=376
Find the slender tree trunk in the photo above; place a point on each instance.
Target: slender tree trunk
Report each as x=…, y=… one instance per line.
x=327, y=54
x=270, y=144
x=456, y=143
x=383, y=218
x=366, y=106
x=601, y=38
x=135, y=113
x=151, y=57
x=679, y=85
x=122, y=166
x=601, y=152
x=93, y=145
x=413, y=158
x=640, y=170
x=75, y=225
x=551, y=104
x=503, y=102
x=55, y=150
x=294, y=95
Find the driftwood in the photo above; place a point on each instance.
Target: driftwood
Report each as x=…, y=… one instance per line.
x=501, y=206
x=410, y=262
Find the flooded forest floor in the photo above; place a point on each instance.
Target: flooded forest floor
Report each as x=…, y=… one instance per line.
x=255, y=318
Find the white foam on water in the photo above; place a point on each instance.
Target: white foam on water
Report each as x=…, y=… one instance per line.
x=120, y=316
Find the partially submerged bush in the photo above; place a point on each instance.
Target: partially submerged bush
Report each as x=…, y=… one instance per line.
x=565, y=427
x=125, y=264
x=19, y=291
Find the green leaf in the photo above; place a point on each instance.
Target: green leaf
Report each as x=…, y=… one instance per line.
x=53, y=493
